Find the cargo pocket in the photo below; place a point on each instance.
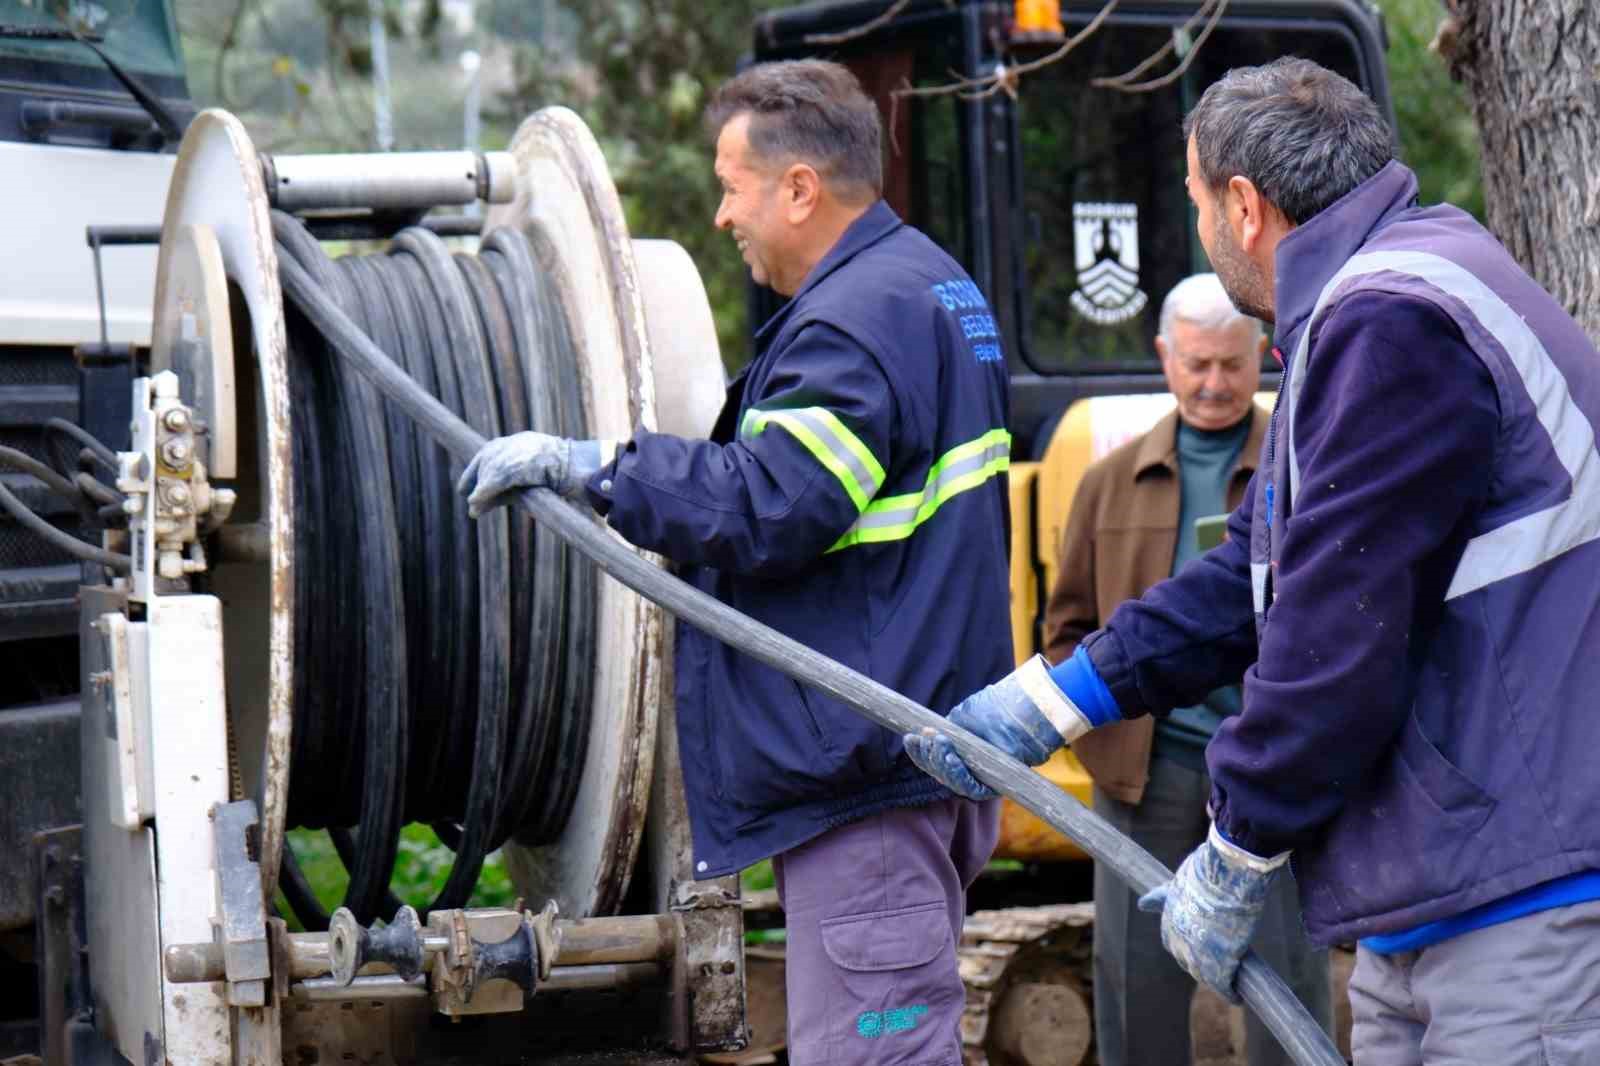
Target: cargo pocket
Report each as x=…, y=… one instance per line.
x=898, y=992
x=1574, y=1043
x=887, y=940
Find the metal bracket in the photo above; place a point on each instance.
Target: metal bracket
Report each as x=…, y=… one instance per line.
x=241, y=913
x=62, y=941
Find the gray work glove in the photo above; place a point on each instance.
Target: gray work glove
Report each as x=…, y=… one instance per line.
x=530, y=460
x=1211, y=907
x=1023, y=714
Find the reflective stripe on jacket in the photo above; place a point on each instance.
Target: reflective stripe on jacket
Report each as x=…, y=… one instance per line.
x=1417, y=565
x=853, y=496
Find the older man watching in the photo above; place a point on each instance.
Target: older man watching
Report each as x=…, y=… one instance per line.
x=1132, y=525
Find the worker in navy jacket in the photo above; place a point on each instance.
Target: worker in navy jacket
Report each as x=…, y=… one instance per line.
x=853, y=496
x=1410, y=592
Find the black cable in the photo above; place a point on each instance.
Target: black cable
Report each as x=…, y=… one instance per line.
x=53, y=481
x=364, y=506
x=122, y=564
x=481, y=727
x=85, y=438
x=96, y=490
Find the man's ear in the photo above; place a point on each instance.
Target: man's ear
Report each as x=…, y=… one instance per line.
x=1252, y=216
x=1161, y=347
x=802, y=192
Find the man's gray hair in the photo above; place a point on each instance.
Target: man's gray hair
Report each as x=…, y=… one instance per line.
x=807, y=111
x=1303, y=135
x=1200, y=300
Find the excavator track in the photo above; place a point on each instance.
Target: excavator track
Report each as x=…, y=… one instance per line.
x=1029, y=987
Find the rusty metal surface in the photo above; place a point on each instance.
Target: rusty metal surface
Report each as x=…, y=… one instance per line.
x=705, y=1005
x=61, y=939
x=218, y=183
x=241, y=913
x=567, y=206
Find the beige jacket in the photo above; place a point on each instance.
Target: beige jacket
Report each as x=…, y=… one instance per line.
x=1120, y=539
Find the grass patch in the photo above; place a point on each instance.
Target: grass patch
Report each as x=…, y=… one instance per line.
x=420, y=871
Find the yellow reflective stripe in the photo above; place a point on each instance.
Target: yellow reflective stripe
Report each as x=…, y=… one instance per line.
x=831, y=442
x=963, y=467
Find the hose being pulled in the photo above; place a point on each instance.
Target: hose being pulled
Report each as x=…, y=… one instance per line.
x=1260, y=987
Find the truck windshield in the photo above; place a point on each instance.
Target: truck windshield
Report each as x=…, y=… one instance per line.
x=141, y=36
x=1107, y=225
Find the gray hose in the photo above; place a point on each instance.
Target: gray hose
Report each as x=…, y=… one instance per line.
x=1258, y=984
x=93, y=553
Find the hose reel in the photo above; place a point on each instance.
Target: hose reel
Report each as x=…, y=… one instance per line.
x=388, y=660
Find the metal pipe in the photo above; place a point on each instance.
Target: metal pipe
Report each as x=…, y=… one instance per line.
x=200, y=963
x=610, y=976
x=643, y=938
x=378, y=986
x=388, y=181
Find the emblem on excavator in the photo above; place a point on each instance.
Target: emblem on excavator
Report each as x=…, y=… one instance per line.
x=1105, y=238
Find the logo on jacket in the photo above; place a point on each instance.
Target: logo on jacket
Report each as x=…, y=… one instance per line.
x=1105, y=240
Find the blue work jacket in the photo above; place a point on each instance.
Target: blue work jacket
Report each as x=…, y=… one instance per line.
x=1410, y=587
x=852, y=496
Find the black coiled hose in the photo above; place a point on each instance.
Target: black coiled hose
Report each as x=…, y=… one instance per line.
x=410, y=616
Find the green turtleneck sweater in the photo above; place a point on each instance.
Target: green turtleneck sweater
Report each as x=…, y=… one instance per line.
x=1205, y=460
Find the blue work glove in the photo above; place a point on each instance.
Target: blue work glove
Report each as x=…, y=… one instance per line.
x=1210, y=909
x=530, y=460
x=1027, y=714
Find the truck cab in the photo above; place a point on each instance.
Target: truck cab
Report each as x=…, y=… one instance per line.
x=76, y=149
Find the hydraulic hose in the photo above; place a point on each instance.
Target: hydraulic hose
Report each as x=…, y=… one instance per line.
x=1258, y=984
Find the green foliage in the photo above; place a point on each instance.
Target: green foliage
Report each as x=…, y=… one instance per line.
x=757, y=878
x=420, y=871
x=1438, y=137
x=640, y=74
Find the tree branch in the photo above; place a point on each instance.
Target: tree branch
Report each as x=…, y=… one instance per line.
x=861, y=30
x=1006, y=79
x=1123, y=82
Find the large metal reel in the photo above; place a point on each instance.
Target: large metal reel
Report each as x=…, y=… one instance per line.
x=568, y=207
x=217, y=281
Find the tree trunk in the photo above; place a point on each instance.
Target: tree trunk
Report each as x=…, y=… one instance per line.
x=1530, y=69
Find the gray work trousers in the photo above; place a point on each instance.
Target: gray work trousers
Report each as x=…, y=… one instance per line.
x=1141, y=996
x=873, y=911
x=1522, y=993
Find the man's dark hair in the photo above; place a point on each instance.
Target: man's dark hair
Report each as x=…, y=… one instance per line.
x=809, y=111
x=1303, y=135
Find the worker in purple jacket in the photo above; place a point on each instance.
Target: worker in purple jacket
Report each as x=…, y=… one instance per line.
x=1410, y=592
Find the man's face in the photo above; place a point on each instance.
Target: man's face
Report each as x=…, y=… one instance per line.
x=750, y=207
x=1214, y=373
x=1245, y=283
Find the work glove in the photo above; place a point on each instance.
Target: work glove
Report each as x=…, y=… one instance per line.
x=1211, y=907
x=1027, y=714
x=530, y=460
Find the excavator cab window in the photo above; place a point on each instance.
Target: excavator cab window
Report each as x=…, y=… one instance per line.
x=1106, y=228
